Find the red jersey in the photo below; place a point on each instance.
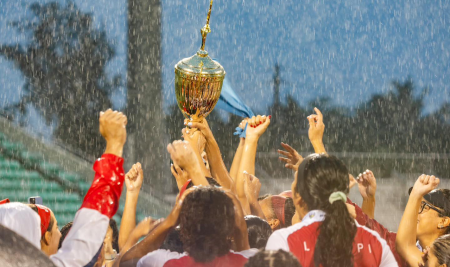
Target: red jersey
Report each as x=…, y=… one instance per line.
x=369, y=249
x=166, y=258
x=372, y=224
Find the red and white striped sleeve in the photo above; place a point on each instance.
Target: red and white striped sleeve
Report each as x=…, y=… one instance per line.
x=92, y=220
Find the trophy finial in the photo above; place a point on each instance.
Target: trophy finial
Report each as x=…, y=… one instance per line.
x=206, y=29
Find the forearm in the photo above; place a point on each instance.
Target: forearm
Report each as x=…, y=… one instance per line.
x=114, y=148
x=318, y=146
x=237, y=159
x=407, y=232
x=248, y=165
x=218, y=169
x=368, y=207
x=256, y=209
x=196, y=174
x=151, y=242
x=128, y=222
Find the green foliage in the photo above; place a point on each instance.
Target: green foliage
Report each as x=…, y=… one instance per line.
x=64, y=67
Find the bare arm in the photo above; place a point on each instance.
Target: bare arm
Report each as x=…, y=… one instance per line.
x=133, y=182
x=237, y=159
x=252, y=187
x=240, y=236
x=316, y=130
x=367, y=186
x=142, y=229
x=257, y=126
x=183, y=155
x=157, y=235
x=151, y=242
x=407, y=230
x=217, y=166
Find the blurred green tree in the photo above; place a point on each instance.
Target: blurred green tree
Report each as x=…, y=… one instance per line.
x=63, y=63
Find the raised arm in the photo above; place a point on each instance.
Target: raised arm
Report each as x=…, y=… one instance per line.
x=240, y=236
x=216, y=164
x=407, y=230
x=133, y=182
x=316, y=130
x=257, y=126
x=155, y=238
x=367, y=185
x=252, y=186
x=102, y=199
x=238, y=155
x=184, y=156
x=180, y=175
x=198, y=142
x=290, y=157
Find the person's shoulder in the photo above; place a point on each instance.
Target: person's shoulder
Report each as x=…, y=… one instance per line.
x=246, y=253
x=364, y=232
x=159, y=257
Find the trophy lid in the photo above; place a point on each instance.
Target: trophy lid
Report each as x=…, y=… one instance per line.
x=200, y=64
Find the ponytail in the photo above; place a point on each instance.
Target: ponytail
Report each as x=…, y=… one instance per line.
x=322, y=182
x=336, y=234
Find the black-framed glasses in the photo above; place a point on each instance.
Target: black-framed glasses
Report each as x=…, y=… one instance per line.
x=424, y=207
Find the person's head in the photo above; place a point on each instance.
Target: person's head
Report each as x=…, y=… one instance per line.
x=173, y=241
x=211, y=182
x=278, y=210
x=64, y=231
x=207, y=221
x=321, y=183
x=21, y=219
x=439, y=253
x=98, y=259
x=271, y=258
x=259, y=231
x=50, y=234
x=434, y=215
x=112, y=236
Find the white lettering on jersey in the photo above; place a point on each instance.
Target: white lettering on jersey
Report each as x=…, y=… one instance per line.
x=360, y=246
x=306, y=248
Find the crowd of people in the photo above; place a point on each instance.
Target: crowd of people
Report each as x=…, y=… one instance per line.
x=219, y=218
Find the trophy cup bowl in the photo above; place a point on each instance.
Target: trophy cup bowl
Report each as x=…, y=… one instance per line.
x=198, y=81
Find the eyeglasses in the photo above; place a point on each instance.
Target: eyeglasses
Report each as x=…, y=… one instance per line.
x=424, y=207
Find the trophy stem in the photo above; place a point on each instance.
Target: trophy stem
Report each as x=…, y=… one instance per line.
x=206, y=29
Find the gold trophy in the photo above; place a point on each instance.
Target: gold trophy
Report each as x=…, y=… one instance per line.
x=198, y=81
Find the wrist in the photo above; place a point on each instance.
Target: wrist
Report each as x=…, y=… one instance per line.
x=252, y=200
x=252, y=140
x=369, y=198
x=115, y=148
x=133, y=194
x=416, y=195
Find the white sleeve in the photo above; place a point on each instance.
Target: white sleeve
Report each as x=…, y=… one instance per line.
x=83, y=240
x=158, y=258
x=277, y=241
x=387, y=258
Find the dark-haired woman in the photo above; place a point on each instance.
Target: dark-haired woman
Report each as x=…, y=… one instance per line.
x=430, y=208
x=328, y=235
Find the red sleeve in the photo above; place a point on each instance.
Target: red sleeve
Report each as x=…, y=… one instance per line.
x=372, y=224
x=105, y=191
